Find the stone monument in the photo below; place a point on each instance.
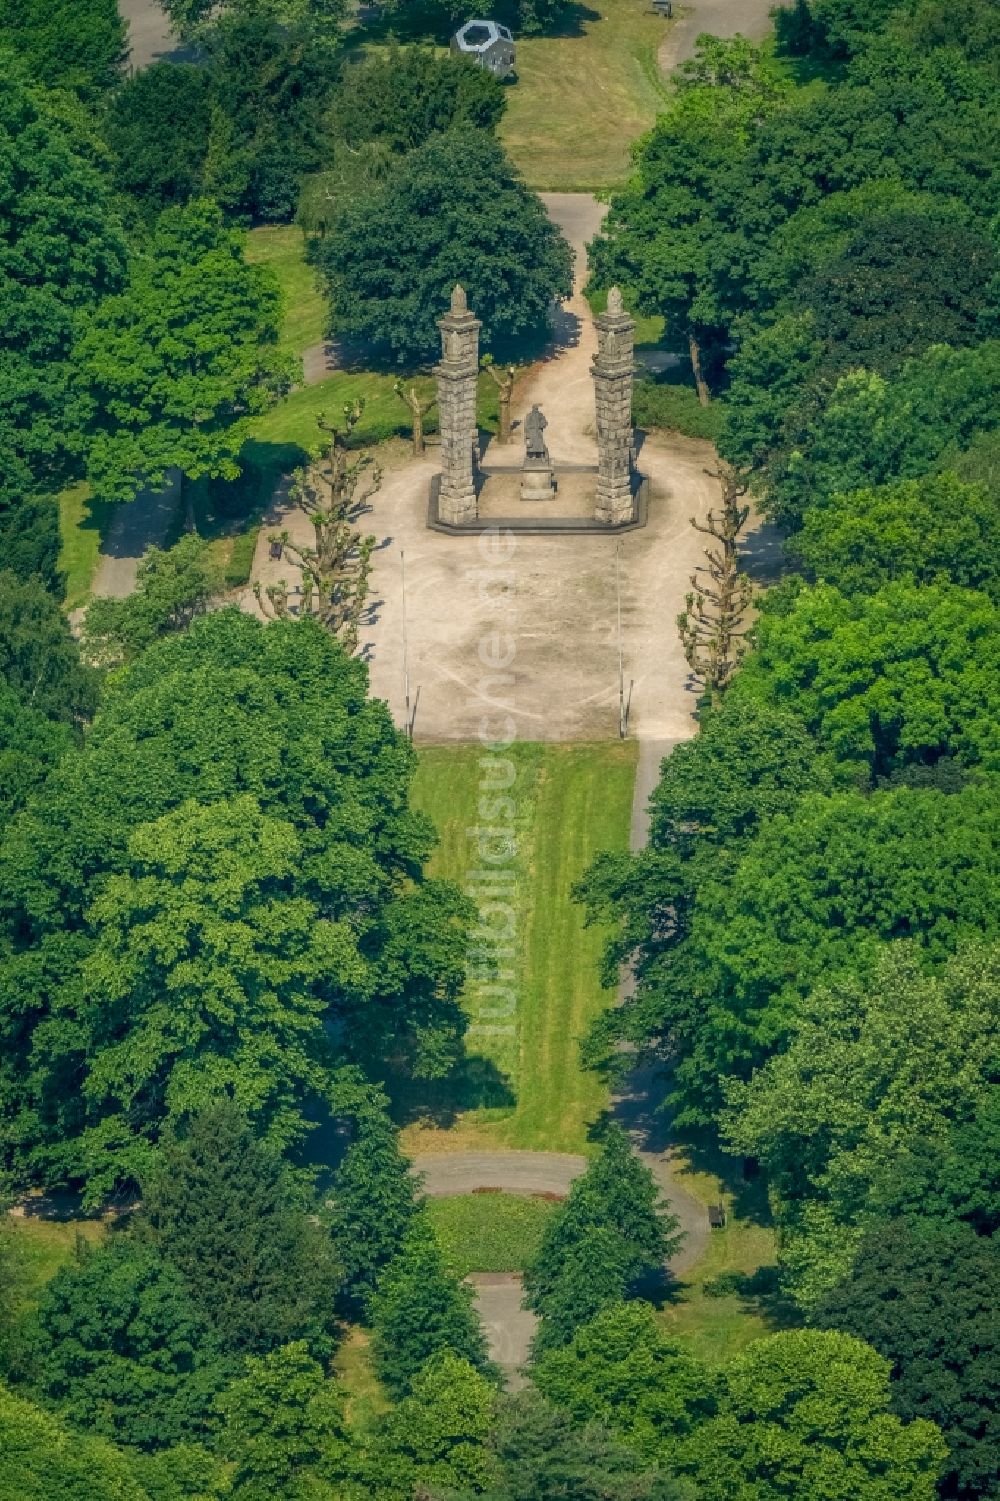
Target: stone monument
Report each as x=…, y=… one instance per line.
x=537, y=482
x=457, y=382
x=613, y=369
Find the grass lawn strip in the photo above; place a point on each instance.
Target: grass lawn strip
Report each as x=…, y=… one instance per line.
x=582, y=99
x=490, y=1232
x=282, y=247
x=572, y=800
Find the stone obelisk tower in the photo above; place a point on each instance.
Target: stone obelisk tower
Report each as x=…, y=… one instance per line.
x=457, y=380
x=612, y=370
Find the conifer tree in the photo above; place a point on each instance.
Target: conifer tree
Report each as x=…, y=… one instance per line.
x=419, y=1310
x=375, y=1196
x=611, y=1230
x=222, y=1208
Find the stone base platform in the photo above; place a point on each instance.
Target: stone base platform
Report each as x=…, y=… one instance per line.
x=570, y=511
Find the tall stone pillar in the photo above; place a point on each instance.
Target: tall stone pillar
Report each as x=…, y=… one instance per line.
x=612, y=370
x=457, y=381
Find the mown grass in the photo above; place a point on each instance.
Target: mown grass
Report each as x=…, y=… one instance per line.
x=282, y=247
x=489, y=1232
x=525, y=1086
x=354, y=1366
x=40, y=1247
x=83, y=522
x=582, y=98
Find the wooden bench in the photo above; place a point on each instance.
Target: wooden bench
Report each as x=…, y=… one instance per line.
x=717, y=1216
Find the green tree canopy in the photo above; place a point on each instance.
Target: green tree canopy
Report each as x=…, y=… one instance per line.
x=936, y=529
x=283, y=1427
x=902, y=676
x=209, y=974
x=814, y=894
x=453, y=211
x=230, y=708
x=157, y=129
x=172, y=588
x=612, y=1229
x=877, y=1068
x=39, y=659
x=31, y=745
x=436, y=1437
x=177, y=365
x=375, y=1197
x=273, y=72
x=622, y=1370
x=421, y=1310
x=926, y=1296
x=221, y=1207
x=41, y=1459
x=67, y=44
x=662, y=240
x=806, y=1413
x=544, y=1455
x=60, y=252
x=871, y=430
x=119, y=1348
x=404, y=95
x=954, y=1176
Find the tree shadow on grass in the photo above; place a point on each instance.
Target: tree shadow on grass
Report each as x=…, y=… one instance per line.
x=475, y=1083
x=432, y=23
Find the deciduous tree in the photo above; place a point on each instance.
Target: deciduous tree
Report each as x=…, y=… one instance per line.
x=172, y=588
x=453, y=210
x=436, y=1438
x=925, y=1295
x=806, y=1413
x=176, y=366
x=283, y=1427
x=877, y=1068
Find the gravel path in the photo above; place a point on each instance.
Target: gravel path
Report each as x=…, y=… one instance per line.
x=136, y=525
x=750, y=18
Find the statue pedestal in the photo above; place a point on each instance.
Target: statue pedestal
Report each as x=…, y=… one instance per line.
x=537, y=482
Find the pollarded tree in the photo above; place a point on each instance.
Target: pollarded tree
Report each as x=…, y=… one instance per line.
x=612, y=1230
x=925, y=1295
x=712, y=627
x=334, y=493
x=420, y=1310
x=221, y=1207
x=807, y=1413
x=283, y=1427
x=454, y=210
x=176, y=367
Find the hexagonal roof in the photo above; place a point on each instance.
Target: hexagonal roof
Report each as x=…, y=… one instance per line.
x=477, y=36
